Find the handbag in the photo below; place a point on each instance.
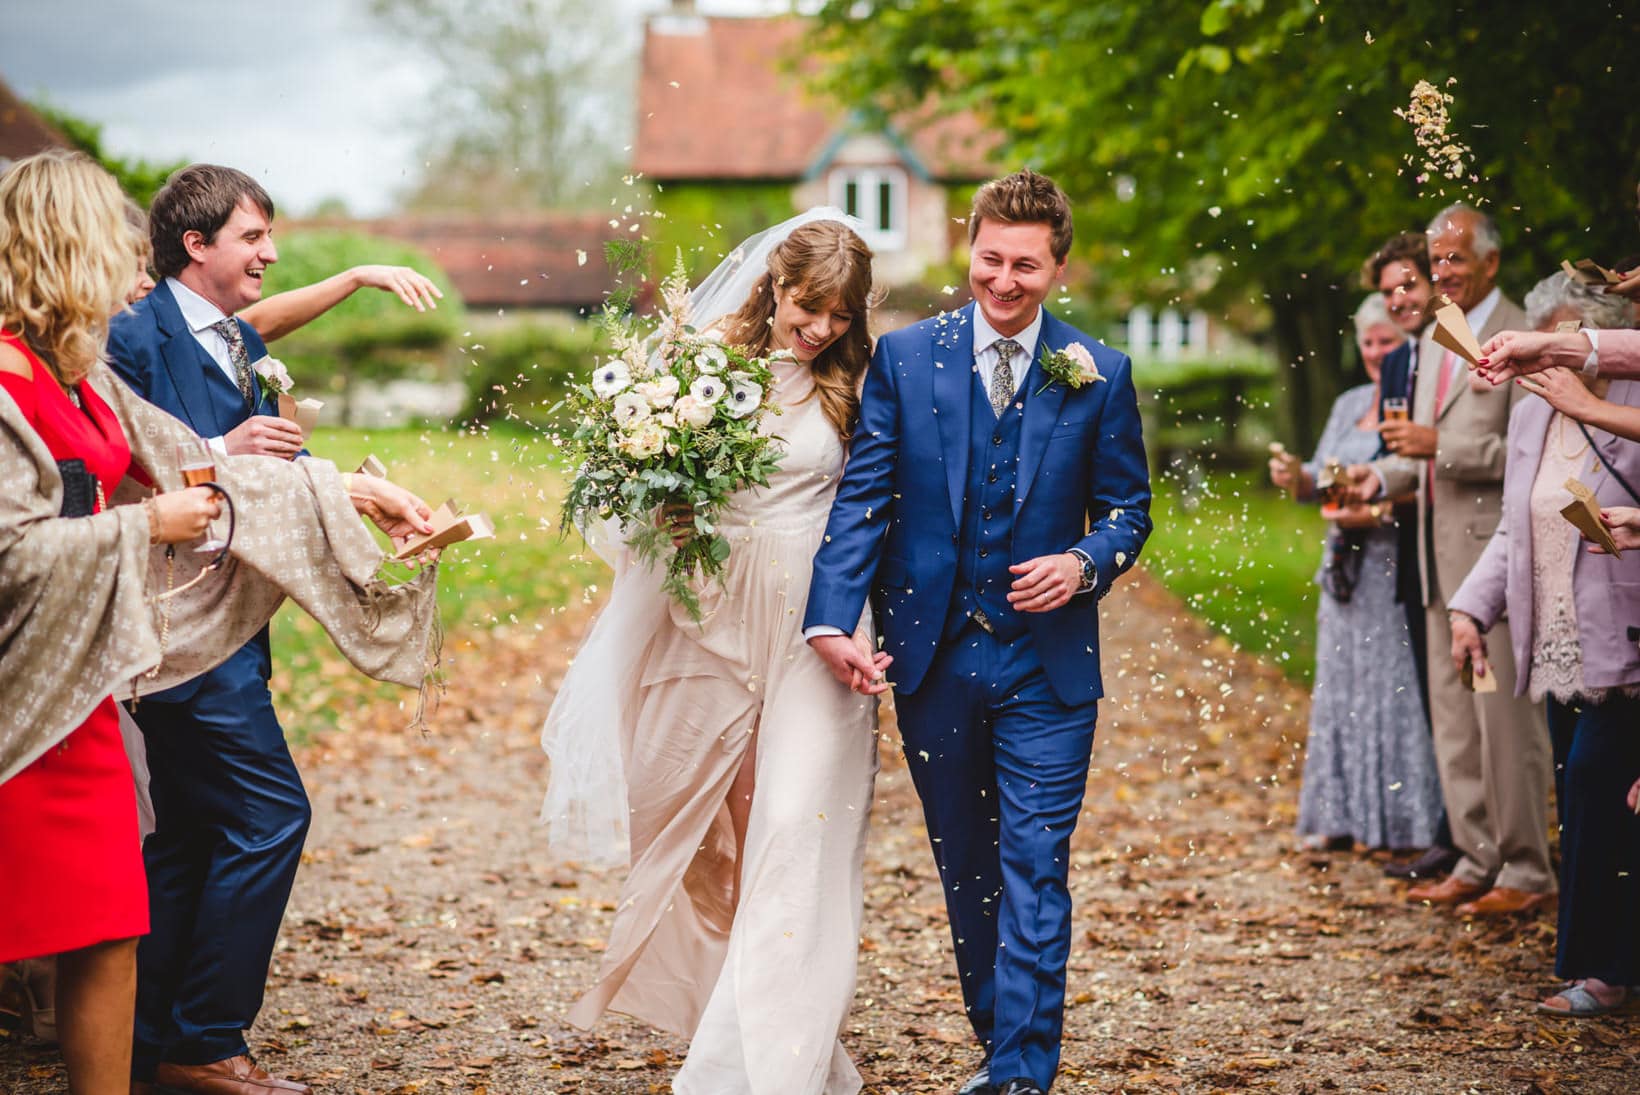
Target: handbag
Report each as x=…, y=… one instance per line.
x=79, y=488
x=1341, y=566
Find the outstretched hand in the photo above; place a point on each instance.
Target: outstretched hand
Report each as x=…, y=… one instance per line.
x=852, y=662
x=1563, y=390
x=415, y=289
x=1510, y=354
x=394, y=510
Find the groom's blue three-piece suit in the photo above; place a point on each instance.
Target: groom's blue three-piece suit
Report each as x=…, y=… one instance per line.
x=996, y=707
x=230, y=810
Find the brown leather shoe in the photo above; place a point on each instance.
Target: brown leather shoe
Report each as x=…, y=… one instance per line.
x=234, y=1076
x=1502, y=901
x=1448, y=891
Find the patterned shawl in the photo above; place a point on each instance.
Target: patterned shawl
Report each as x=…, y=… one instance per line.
x=77, y=617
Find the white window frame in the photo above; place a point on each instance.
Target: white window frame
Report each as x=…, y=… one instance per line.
x=868, y=180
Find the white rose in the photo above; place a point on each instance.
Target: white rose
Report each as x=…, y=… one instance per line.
x=1086, y=371
x=659, y=393
x=692, y=411
x=273, y=373
x=744, y=398
x=630, y=410
x=645, y=441
x=611, y=379
x=707, y=388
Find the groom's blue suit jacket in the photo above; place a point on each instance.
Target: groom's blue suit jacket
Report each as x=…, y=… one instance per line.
x=153, y=350
x=895, y=524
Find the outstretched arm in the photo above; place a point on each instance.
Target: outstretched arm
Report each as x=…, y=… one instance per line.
x=282, y=313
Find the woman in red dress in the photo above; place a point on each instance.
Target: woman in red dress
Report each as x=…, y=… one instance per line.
x=68, y=822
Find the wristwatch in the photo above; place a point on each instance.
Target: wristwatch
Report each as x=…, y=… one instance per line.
x=1090, y=573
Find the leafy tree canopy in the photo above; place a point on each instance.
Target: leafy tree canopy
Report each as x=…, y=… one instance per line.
x=1252, y=145
x=141, y=179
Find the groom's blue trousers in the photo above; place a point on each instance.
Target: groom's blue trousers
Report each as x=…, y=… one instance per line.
x=1000, y=764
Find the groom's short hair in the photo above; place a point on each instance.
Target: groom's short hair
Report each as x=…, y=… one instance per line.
x=1025, y=198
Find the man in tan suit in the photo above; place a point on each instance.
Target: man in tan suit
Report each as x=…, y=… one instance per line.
x=1492, y=749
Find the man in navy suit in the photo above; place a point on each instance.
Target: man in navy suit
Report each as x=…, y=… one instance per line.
x=230, y=810
x=987, y=506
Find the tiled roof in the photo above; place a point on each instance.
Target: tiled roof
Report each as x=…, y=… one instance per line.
x=527, y=261
x=22, y=131
x=718, y=99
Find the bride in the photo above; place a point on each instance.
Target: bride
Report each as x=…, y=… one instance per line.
x=721, y=760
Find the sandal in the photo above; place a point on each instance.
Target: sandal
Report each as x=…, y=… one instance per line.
x=1584, y=1004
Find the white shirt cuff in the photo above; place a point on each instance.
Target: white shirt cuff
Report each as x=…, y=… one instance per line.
x=1591, y=364
x=821, y=629
x=219, y=445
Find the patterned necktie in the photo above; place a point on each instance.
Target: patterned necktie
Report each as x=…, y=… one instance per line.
x=1002, y=379
x=241, y=358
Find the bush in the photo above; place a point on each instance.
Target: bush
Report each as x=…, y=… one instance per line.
x=371, y=335
x=1189, y=406
x=518, y=371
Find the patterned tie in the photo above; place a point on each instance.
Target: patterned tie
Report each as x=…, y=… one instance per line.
x=241, y=358
x=1002, y=380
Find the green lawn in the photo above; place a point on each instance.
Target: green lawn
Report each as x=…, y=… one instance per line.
x=1244, y=557
x=518, y=579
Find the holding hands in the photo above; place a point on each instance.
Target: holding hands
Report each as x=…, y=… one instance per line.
x=853, y=662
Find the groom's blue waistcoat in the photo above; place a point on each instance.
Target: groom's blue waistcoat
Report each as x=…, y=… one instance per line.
x=908, y=497
x=988, y=515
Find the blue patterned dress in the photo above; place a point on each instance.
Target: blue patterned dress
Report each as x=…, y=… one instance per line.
x=1369, y=765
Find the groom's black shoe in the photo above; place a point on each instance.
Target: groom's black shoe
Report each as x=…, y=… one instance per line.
x=1436, y=860
x=979, y=1083
x=1019, y=1087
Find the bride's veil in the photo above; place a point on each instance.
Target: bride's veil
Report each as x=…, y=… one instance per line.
x=585, y=809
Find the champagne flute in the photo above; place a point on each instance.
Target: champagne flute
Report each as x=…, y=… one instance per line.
x=1395, y=409
x=198, y=465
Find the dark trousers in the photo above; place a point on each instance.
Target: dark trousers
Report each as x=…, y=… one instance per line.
x=1001, y=765
x=1597, y=760
x=231, y=816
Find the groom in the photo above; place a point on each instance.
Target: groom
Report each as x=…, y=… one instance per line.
x=988, y=504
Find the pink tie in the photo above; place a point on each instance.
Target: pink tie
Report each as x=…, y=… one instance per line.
x=1442, y=386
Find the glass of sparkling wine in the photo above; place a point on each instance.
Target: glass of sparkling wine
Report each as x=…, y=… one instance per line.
x=198, y=465
x=1395, y=409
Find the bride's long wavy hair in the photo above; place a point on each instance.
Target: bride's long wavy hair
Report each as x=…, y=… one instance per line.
x=821, y=262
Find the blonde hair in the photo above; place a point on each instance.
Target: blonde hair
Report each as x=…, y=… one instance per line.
x=66, y=258
x=820, y=262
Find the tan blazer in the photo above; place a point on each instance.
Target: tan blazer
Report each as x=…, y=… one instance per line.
x=1469, y=458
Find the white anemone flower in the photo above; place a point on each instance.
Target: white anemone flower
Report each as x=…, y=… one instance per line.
x=744, y=398
x=707, y=388
x=711, y=359
x=611, y=379
x=630, y=410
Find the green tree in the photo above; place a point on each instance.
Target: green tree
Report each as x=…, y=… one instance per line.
x=141, y=179
x=533, y=102
x=1252, y=144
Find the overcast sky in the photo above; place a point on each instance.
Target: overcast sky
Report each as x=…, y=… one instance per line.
x=310, y=96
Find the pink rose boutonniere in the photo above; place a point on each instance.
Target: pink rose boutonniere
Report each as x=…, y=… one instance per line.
x=1073, y=367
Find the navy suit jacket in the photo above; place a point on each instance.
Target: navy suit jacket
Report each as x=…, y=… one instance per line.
x=1395, y=377
x=894, y=525
x=152, y=349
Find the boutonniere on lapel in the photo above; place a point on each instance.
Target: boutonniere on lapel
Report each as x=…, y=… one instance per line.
x=271, y=376
x=1073, y=367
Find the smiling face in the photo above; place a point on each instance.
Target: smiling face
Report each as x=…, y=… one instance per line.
x=806, y=331
x=1011, y=268
x=1460, y=272
x=227, y=270
x=1406, y=294
x=1376, y=342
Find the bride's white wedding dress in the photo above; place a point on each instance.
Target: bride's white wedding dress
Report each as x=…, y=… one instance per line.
x=761, y=989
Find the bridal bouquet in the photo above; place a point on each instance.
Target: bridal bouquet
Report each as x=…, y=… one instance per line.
x=670, y=419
